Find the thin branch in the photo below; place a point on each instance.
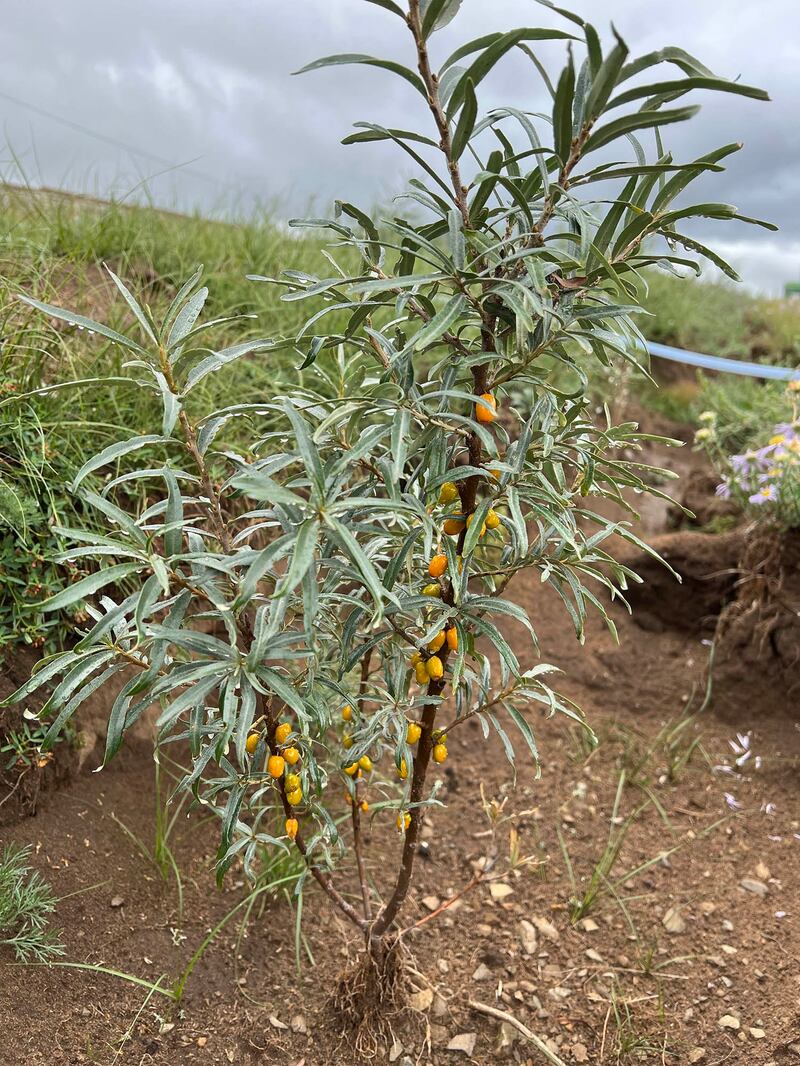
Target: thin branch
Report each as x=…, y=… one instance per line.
x=504, y=1016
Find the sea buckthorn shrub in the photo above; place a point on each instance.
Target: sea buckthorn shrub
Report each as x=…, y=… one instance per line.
x=317, y=615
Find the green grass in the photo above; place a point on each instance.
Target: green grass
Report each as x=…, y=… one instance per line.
x=721, y=319
x=53, y=247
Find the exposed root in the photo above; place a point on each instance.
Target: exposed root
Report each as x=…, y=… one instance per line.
x=751, y=620
x=370, y=995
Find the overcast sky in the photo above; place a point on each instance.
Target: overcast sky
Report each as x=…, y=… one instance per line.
x=204, y=86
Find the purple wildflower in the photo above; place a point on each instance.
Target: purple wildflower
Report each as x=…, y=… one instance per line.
x=765, y=494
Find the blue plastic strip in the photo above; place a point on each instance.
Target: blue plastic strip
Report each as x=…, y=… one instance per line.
x=728, y=366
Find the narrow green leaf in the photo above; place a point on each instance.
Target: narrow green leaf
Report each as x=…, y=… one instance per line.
x=431, y=332
x=437, y=13
x=305, y=546
x=562, y=111
x=605, y=80
x=685, y=85
x=640, y=120
x=350, y=58
x=115, y=451
x=141, y=316
x=84, y=588
x=466, y=120
x=85, y=323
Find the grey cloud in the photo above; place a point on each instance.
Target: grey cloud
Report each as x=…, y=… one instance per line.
x=207, y=84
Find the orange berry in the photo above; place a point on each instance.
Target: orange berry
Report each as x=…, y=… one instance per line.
x=452, y=638
x=432, y=590
x=351, y=769
x=291, y=755
x=437, y=565
x=402, y=770
x=364, y=806
x=403, y=821
x=492, y=520
x=292, y=825
x=437, y=641
x=489, y=413
x=421, y=672
x=347, y=712
x=276, y=765
x=292, y=782
x=282, y=733
x=435, y=668
x=347, y=741
x=439, y=752
x=294, y=797
x=251, y=743
x=365, y=763
x=413, y=733
x=469, y=523
x=448, y=493
x=453, y=526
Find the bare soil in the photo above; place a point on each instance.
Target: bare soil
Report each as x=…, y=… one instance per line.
x=696, y=958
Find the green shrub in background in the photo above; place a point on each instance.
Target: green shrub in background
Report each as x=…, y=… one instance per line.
x=331, y=635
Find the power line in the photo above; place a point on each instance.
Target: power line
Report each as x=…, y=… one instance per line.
x=115, y=142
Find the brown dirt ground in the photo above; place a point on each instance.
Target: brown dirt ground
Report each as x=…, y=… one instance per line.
x=627, y=990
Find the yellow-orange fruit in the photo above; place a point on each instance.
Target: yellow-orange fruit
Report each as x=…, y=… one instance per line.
x=439, y=752
x=282, y=733
x=291, y=755
x=403, y=821
x=275, y=765
x=496, y=474
x=351, y=769
x=402, y=770
x=432, y=590
x=437, y=565
x=492, y=520
x=437, y=641
x=448, y=493
x=435, y=668
x=251, y=743
x=295, y=797
x=488, y=413
x=347, y=712
x=292, y=825
x=347, y=741
x=364, y=806
x=453, y=526
x=421, y=672
x=469, y=523
x=413, y=733
x=365, y=763
x=416, y=657
x=292, y=782
x=452, y=638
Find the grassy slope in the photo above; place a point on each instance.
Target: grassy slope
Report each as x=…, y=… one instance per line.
x=52, y=247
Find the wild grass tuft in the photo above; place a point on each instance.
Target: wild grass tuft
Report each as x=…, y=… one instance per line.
x=26, y=903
